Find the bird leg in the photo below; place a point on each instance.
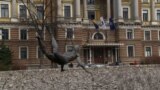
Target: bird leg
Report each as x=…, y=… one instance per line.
x=62, y=68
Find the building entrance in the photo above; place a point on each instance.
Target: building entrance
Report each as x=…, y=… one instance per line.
x=98, y=55
x=101, y=55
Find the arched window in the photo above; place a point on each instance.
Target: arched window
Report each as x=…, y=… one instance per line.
x=98, y=36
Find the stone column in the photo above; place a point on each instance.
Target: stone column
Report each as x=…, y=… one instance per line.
x=118, y=10
x=13, y=12
x=135, y=11
x=153, y=16
x=59, y=7
x=85, y=10
x=108, y=9
x=77, y=10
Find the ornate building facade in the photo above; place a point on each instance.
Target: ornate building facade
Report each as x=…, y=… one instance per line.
x=137, y=33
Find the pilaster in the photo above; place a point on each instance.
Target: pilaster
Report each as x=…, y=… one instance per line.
x=14, y=14
x=135, y=11
x=77, y=10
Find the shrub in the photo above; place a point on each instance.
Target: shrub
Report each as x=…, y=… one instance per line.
x=5, y=58
x=151, y=60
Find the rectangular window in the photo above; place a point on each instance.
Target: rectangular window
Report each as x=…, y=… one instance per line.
x=125, y=13
x=130, y=50
x=23, y=53
x=4, y=34
x=23, y=34
x=69, y=33
x=40, y=12
x=145, y=15
x=90, y=2
x=67, y=11
x=129, y=34
x=158, y=15
x=148, y=51
x=91, y=14
x=22, y=11
x=4, y=10
x=147, y=35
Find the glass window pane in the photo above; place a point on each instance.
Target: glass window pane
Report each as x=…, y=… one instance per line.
x=23, y=11
x=69, y=33
x=145, y=15
x=148, y=51
x=23, y=52
x=147, y=35
x=39, y=12
x=67, y=11
x=5, y=34
x=91, y=14
x=4, y=10
x=98, y=36
x=129, y=34
x=125, y=13
x=158, y=15
x=130, y=51
x=90, y=2
x=23, y=34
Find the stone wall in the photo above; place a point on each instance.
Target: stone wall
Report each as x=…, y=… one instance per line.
x=105, y=78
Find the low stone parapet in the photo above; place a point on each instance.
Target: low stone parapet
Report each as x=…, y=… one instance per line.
x=146, y=77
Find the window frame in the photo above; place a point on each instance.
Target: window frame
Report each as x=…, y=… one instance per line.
x=158, y=34
x=132, y=30
x=100, y=33
x=90, y=2
x=27, y=36
x=19, y=11
x=27, y=52
x=156, y=15
x=73, y=36
x=98, y=37
x=128, y=8
x=145, y=54
x=159, y=50
x=1, y=37
x=9, y=9
x=132, y=52
x=93, y=12
x=40, y=5
x=71, y=10
x=5, y=9
x=148, y=10
x=149, y=36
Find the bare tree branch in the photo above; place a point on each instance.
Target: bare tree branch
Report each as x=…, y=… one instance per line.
x=49, y=22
